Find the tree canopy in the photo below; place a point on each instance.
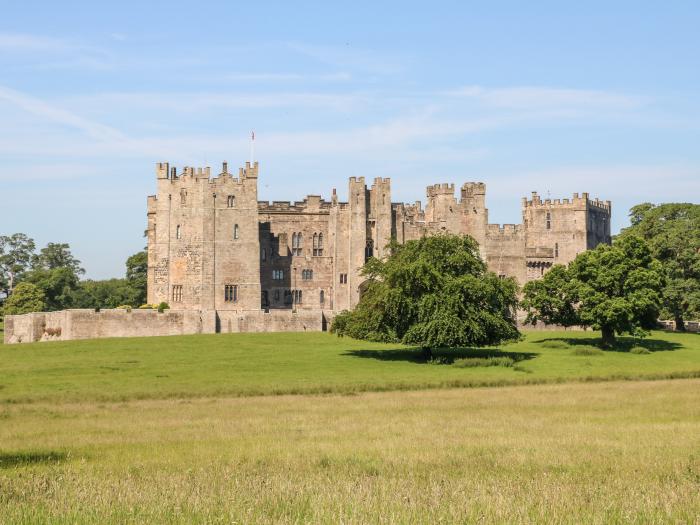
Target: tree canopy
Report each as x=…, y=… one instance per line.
x=433, y=292
x=16, y=254
x=26, y=298
x=615, y=289
x=672, y=232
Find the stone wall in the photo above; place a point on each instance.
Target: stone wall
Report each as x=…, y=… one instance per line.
x=68, y=325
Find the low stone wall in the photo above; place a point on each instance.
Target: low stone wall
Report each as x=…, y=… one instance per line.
x=68, y=325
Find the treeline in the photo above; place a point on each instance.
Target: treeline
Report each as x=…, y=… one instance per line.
x=51, y=279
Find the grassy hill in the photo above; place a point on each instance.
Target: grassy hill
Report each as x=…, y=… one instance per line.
x=298, y=363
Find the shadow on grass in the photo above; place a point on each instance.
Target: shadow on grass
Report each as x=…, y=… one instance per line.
x=444, y=355
x=13, y=459
x=623, y=344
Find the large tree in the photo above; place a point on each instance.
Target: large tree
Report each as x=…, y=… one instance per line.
x=673, y=234
x=615, y=289
x=26, y=298
x=433, y=292
x=57, y=255
x=16, y=254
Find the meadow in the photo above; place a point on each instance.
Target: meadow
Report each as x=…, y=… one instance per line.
x=311, y=363
x=309, y=428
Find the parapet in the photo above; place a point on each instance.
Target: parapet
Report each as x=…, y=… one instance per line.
x=473, y=188
x=504, y=230
x=577, y=200
x=356, y=180
x=441, y=189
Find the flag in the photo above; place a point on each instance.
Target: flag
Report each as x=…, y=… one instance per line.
x=252, y=135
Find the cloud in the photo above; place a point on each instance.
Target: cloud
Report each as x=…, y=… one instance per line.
x=57, y=115
x=288, y=77
x=530, y=97
x=28, y=42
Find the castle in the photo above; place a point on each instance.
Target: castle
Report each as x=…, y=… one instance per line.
x=226, y=262
x=214, y=247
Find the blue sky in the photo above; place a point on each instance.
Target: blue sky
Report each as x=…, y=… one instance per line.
x=600, y=97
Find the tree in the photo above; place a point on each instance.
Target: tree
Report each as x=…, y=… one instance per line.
x=433, y=292
x=57, y=284
x=26, y=298
x=57, y=255
x=16, y=253
x=137, y=276
x=673, y=234
x=109, y=293
x=614, y=289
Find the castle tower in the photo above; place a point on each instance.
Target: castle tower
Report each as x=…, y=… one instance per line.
x=380, y=218
x=357, y=236
x=475, y=215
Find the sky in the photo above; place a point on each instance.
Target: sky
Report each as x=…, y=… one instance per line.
x=554, y=97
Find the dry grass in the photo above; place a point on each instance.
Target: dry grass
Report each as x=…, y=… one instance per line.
x=626, y=452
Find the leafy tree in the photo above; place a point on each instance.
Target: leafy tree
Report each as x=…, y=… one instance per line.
x=137, y=276
x=108, y=293
x=26, y=298
x=57, y=284
x=614, y=289
x=57, y=255
x=673, y=234
x=433, y=292
x=16, y=253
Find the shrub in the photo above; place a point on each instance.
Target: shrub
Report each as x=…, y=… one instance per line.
x=585, y=350
x=472, y=362
x=126, y=307
x=554, y=344
x=163, y=306
x=148, y=307
x=639, y=350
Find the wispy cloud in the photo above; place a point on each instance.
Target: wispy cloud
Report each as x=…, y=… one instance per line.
x=288, y=77
x=29, y=42
x=58, y=115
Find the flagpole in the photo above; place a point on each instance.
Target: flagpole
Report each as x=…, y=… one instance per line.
x=252, y=147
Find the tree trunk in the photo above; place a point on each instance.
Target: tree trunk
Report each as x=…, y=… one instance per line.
x=428, y=352
x=608, y=337
x=680, y=324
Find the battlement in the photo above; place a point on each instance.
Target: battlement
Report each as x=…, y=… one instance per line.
x=473, y=188
x=508, y=230
x=441, y=189
x=356, y=180
x=582, y=200
x=379, y=181
x=312, y=203
x=166, y=172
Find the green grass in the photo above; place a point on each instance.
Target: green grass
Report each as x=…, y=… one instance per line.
x=294, y=363
x=615, y=452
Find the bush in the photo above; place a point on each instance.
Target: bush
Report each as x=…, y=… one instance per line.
x=639, y=350
x=163, y=306
x=587, y=351
x=126, y=307
x=472, y=362
x=550, y=343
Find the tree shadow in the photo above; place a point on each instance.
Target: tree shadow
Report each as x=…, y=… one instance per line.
x=13, y=459
x=441, y=355
x=623, y=343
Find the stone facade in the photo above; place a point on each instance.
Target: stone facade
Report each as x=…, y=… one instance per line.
x=213, y=246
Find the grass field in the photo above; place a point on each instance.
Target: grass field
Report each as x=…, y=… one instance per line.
x=169, y=430
x=295, y=363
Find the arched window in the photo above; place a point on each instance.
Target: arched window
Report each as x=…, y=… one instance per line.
x=235, y=231
x=178, y=232
x=231, y=201
x=318, y=244
x=321, y=297
x=549, y=221
x=263, y=255
x=315, y=244
x=369, y=249
x=296, y=243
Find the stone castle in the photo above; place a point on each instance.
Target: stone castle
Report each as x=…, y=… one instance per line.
x=226, y=262
x=213, y=246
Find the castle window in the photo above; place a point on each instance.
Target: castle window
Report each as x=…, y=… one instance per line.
x=178, y=232
x=307, y=275
x=231, y=293
x=235, y=231
x=321, y=297
x=369, y=249
x=231, y=201
x=276, y=295
x=183, y=197
x=296, y=243
x=549, y=221
x=297, y=296
x=277, y=275
x=556, y=249
x=264, y=300
x=343, y=278
x=287, y=297
x=177, y=293
x=318, y=244
x=263, y=254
